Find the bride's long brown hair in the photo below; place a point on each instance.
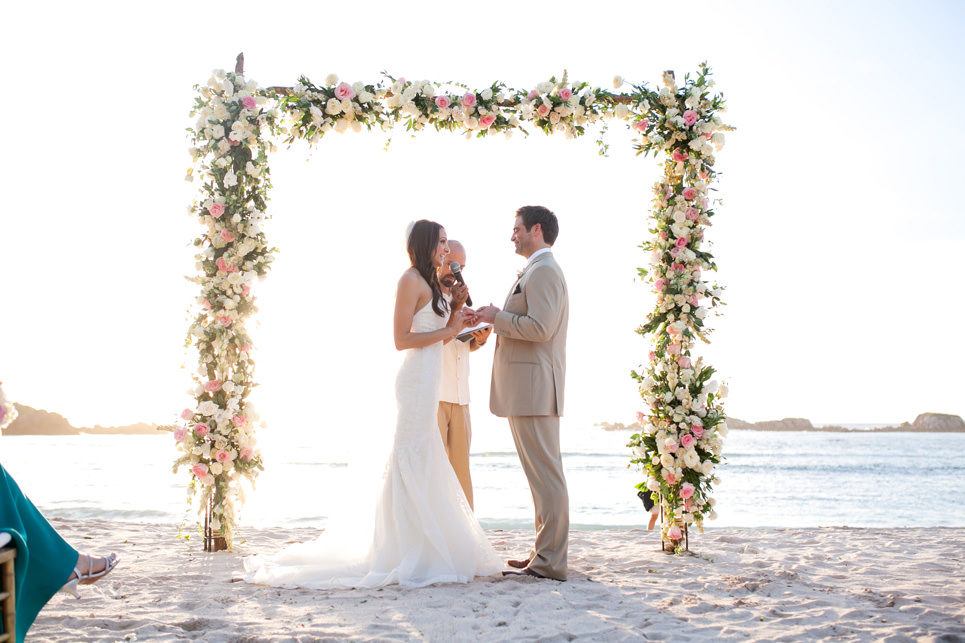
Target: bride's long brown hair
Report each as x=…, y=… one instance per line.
x=422, y=244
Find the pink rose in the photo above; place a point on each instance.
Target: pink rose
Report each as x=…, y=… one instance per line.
x=442, y=102
x=692, y=214
x=201, y=429
x=246, y=348
x=640, y=417
x=224, y=320
x=543, y=109
x=663, y=235
x=694, y=301
x=187, y=414
x=660, y=285
x=212, y=386
x=179, y=433
x=239, y=420
x=679, y=155
x=697, y=430
x=675, y=252
x=684, y=362
x=227, y=236
x=690, y=194
x=641, y=126
x=222, y=456
x=207, y=304
x=671, y=446
x=532, y=94
x=676, y=267
x=487, y=120
x=688, y=504
x=248, y=102
x=225, y=266
x=671, y=478
x=233, y=143
x=469, y=99
x=681, y=242
x=566, y=93
x=704, y=174
x=344, y=91
x=690, y=117
x=674, y=533
x=686, y=490
x=246, y=453
x=686, y=441
x=673, y=349
x=652, y=356
x=245, y=289
x=216, y=210
x=199, y=470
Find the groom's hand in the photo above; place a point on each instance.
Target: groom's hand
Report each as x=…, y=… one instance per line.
x=487, y=314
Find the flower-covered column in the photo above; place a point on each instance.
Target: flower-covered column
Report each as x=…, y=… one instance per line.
x=216, y=437
x=683, y=426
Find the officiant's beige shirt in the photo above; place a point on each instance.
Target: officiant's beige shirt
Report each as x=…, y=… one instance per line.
x=455, y=373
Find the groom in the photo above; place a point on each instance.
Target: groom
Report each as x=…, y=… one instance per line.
x=529, y=365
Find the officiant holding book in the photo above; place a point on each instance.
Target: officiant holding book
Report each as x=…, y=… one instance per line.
x=454, y=422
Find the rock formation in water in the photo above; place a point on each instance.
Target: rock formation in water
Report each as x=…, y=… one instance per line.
x=31, y=421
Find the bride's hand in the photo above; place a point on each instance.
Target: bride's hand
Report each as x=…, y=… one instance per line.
x=460, y=319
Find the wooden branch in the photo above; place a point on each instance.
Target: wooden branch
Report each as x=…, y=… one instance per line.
x=240, y=64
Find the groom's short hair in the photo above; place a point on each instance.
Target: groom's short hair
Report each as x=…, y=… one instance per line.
x=533, y=214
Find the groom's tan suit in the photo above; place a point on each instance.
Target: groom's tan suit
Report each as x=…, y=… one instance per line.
x=529, y=365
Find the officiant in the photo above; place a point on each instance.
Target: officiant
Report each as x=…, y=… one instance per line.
x=454, y=422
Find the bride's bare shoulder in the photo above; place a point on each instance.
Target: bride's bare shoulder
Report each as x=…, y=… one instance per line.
x=412, y=280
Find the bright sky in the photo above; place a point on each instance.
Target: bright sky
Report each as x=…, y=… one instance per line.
x=839, y=242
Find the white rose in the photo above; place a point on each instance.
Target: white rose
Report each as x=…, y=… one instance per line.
x=712, y=515
x=215, y=468
x=341, y=125
x=621, y=111
x=331, y=79
x=428, y=90
x=486, y=94
x=333, y=106
x=365, y=97
x=718, y=140
x=639, y=451
x=655, y=460
x=653, y=484
x=723, y=390
x=207, y=408
x=700, y=313
x=230, y=179
x=617, y=82
x=217, y=132
x=356, y=126
x=711, y=387
x=544, y=87
x=667, y=460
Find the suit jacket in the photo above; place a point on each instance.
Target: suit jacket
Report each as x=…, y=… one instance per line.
x=529, y=362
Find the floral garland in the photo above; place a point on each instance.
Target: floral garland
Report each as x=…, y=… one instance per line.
x=229, y=148
x=230, y=140
x=683, y=429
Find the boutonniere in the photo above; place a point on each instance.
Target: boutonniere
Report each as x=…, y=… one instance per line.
x=519, y=274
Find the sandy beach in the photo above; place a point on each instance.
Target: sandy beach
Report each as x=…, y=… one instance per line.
x=760, y=584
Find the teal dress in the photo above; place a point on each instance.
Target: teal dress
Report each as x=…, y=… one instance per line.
x=44, y=561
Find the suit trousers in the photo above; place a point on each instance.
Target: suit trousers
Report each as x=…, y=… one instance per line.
x=537, y=440
x=456, y=430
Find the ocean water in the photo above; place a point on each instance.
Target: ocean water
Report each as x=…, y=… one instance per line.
x=779, y=479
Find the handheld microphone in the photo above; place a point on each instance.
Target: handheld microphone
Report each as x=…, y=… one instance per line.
x=457, y=273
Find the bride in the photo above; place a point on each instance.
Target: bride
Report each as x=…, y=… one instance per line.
x=424, y=531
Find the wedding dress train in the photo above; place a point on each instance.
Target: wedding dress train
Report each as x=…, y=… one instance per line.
x=424, y=531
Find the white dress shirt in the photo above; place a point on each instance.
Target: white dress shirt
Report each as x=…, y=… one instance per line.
x=532, y=257
x=455, y=373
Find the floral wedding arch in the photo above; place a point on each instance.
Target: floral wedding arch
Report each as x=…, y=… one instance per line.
x=683, y=425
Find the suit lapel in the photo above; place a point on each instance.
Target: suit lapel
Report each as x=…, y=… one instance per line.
x=522, y=275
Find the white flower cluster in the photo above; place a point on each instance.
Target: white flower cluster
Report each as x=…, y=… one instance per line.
x=229, y=147
x=684, y=427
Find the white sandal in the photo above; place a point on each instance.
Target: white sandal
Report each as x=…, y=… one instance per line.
x=90, y=576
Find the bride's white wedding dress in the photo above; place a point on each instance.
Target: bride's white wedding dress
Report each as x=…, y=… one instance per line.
x=424, y=531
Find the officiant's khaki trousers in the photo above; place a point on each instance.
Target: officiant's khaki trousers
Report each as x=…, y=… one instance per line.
x=538, y=444
x=456, y=430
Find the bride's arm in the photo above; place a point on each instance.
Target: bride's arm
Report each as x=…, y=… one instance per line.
x=406, y=300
